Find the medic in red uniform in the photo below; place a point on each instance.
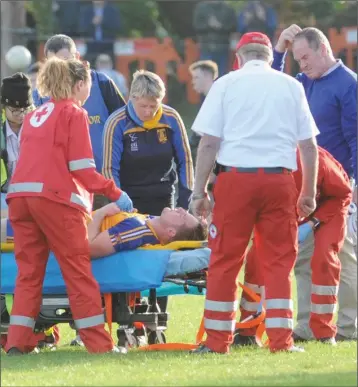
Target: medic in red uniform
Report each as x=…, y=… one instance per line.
x=49, y=197
x=328, y=223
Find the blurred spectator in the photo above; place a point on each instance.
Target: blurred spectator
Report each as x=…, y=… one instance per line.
x=213, y=23
x=66, y=15
x=104, y=64
x=257, y=16
x=99, y=21
x=32, y=73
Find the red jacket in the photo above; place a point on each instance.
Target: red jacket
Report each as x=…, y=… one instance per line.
x=334, y=192
x=56, y=158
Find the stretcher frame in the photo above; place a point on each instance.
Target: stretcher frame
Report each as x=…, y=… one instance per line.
x=137, y=322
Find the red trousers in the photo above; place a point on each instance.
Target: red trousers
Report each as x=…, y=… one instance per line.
x=41, y=225
x=324, y=277
x=266, y=203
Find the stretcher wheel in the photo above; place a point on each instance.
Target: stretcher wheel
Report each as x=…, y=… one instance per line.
x=156, y=337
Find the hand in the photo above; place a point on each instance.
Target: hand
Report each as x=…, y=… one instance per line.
x=287, y=37
x=97, y=20
x=125, y=203
x=306, y=205
x=110, y=209
x=213, y=22
x=201, y=208
x=304, y=230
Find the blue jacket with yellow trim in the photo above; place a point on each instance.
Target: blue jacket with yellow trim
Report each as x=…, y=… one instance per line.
x=141, y=157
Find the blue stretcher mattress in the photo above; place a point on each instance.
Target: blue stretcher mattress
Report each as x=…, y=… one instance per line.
x=122, y=272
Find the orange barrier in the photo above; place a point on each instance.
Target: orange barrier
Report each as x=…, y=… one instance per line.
x=163, y=58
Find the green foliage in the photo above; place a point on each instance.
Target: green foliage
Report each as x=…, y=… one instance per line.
x=139, y=18
x=42, y=12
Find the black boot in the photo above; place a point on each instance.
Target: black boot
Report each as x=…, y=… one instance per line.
x=243, y=341
x=14, y=352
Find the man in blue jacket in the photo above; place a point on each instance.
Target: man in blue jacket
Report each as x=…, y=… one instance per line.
x=104, y=99
x=331, y=91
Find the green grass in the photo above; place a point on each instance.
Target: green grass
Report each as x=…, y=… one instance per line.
x=320, y=365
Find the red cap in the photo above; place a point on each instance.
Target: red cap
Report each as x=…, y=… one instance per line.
x=248, y=38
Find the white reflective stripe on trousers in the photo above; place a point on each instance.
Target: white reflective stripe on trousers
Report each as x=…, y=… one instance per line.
x=221, y=306
x=25, y=187
x=219, y=325
x=256, y=288
x=279, y=322
x=322, y=290
x=249, y=306
x=76, y=165
x=23, y=321
x=279, y=303
x=88, y=322
x=78, y=199
x=323, y=308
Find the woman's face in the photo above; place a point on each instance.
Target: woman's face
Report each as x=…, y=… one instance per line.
x=146, y=107
x=16, y=115
x=82, y=91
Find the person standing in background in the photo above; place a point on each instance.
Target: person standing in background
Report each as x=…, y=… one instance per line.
x=331, y=91
x=213, y=22
x=146, y=150
x=203, y=74
x=16, y=98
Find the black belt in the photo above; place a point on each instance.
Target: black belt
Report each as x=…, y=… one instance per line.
x=222, y=168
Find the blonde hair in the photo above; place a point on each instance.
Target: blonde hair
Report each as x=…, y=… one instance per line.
x=57, y=77
x=255, y=51
x=205, y=65
x=147, y=84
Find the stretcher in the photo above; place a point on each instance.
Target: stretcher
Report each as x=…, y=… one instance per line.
x=124, y=279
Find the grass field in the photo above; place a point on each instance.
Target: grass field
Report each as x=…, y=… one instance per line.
x=320, y=365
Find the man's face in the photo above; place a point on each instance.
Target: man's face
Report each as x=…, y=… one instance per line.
x=177, y=219
x=311, y=62
x=201, y=80
x=64, y=54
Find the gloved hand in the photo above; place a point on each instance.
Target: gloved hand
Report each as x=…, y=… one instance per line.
x=125, y=203
x=304, y=230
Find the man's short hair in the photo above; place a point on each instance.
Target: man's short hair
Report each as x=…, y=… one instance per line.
x=207, y=66
x=198, y=233
x=59, y=42
x=147, y=84
x=314, y=38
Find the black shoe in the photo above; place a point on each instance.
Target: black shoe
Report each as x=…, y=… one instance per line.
x=202, y=350
x=243, y=341
x=77, y=342
x=48, y=343
x=298, y=339
x=340, y=337
x=14, y=352
x=328, y=340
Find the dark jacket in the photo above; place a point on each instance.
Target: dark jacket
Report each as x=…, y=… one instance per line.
x=213, y=39
x=111, y=24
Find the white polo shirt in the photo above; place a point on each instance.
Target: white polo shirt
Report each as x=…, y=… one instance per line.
x=260, y=114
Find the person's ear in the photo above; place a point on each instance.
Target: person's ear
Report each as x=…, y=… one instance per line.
x=77, y=55
x=171, y=232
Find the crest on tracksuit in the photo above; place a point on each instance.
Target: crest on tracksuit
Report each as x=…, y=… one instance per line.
x=213, y=231
x=162, y=136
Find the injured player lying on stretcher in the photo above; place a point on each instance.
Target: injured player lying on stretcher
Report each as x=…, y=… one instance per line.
x=111, y=230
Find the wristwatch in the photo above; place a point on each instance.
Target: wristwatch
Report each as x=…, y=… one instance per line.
x=315, y=222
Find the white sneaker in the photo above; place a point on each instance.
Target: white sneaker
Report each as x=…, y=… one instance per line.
x=294, y=348
x=119, y=350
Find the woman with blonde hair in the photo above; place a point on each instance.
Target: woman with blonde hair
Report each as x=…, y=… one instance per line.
x=49, y=196
x=146, y=150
